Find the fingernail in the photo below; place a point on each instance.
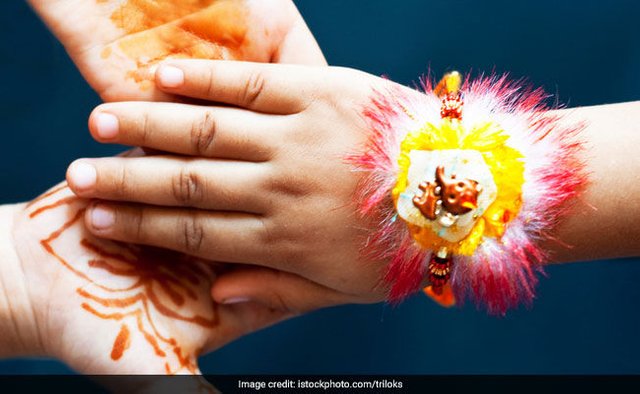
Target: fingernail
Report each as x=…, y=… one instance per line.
x=102, y=217
x=170, y=77
x=82, y=175
x=107, y=126
x=236, y=300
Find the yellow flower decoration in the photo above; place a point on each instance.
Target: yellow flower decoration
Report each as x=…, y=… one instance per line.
x=504, y=162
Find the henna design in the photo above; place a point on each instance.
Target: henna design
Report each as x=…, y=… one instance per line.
x=122, y=343
x=154, y=31
x=51, y=192
x=151, y=272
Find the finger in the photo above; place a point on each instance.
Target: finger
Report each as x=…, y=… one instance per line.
x=277, y=89
x=173, y=181
x=298, y=45
x=290, y=53
x=226, y=236
x=275, y=289
x=225, y=133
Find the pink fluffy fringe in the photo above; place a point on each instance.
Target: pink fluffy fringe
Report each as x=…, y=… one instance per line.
x=502, y=273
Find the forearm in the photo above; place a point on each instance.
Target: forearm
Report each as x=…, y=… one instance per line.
x=18, y=329
x=603, y=223
x=532, y=179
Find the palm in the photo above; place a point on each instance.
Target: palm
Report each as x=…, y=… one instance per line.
x=117, y=43
x=104, y=307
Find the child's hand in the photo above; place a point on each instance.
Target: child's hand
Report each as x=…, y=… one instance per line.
x=261, y=180
x=116, y=44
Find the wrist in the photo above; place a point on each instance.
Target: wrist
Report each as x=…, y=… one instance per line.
x=19, y=334
x=477, y=185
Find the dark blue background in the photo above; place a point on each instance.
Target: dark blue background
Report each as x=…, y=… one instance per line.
x=585, y=319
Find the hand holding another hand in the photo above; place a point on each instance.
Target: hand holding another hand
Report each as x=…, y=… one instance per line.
x=260, y=180
x=117, y=44
x=104, y=307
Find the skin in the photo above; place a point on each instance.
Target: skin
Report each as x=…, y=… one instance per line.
x=275, y=32
x=45, y=287
x=263, y=182
x=43, y=302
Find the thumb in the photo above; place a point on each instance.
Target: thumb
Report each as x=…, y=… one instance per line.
x=274, y=289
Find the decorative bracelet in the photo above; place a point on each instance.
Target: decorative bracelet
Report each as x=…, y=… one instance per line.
x=466, y=180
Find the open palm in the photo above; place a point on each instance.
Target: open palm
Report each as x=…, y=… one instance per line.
x=106, y=307
x=116, y=44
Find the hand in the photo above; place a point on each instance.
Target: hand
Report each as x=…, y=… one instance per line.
x=116, y=44
x=263, y=182
x=112, y=308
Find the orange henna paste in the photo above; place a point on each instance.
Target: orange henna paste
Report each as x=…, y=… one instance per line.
x=159, y=29
x=151, y=270
x=51, y=192
x=122, y=343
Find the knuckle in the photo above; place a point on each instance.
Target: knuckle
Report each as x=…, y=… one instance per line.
x=283, y=246
x=121, y=181
x=292, y=254
x=286, y=245
x=187, y=186
x=289, y=185
x=209, y=83
x=267, y=233
x=132, y=224
x=145, y=129
x=279, y=301
x=192, y=233
x=203, y=133
x=253, y=88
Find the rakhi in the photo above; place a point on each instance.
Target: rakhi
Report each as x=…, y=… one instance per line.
x=466, y=181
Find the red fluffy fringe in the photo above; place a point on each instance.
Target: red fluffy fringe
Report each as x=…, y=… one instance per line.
x=501, y=274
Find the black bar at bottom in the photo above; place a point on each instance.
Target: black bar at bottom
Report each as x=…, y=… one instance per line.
x=471, y=384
